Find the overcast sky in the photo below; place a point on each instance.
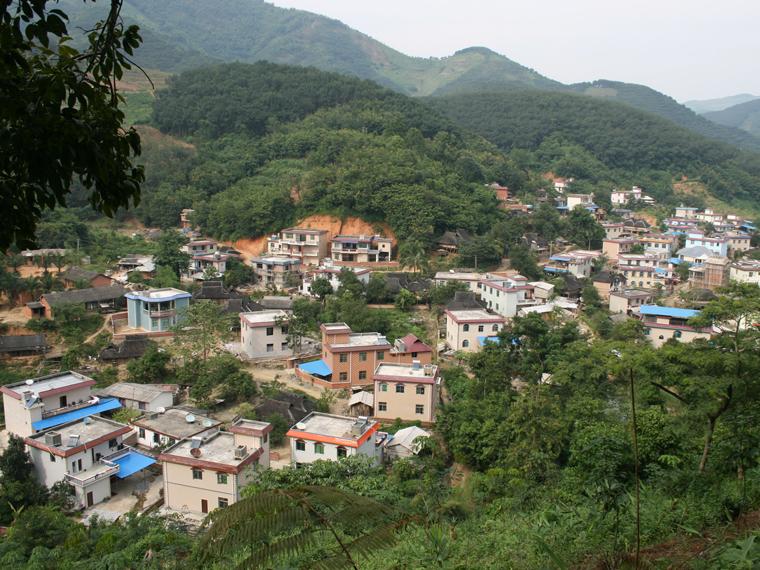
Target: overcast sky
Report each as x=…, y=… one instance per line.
x=689, y=49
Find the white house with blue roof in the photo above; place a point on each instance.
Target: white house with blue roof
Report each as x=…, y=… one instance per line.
x=664, y=323
x=42, y=403
x=156, y=310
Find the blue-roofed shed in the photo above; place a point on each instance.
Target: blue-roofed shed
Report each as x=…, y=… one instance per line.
x=673, y=312
x=105, y=405
x=316, y=368
x=131, y=462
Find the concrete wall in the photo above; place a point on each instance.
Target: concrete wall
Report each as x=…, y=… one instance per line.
x=659, y=336
x=19, y=420
x=163, y=400
x=182, y=492
x=403, y=405
x=501, y=302
x=254, y=341
x=456, y=334
x=100, y=489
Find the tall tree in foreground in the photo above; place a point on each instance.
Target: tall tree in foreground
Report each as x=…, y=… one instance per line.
x=59, y=116
x=202, y=328
x=334, y=528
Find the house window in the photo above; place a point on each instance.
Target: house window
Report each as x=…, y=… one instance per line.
x=677, y=334
x=284, y=329
x=382, y=406
x=342, y=451
x=380, y=355
x=112, y=442
x=52, y=458
x=156, y=438
x=343, y=376
x=383, y=387
x=270, y=348
x=414, y=355
x=495, y=328
x=466, y=328
x=481, y=328
x=362, y=357
x=399, y=388
x=141, y=433
x=343, y=357
x=141, y=405
x=284, y=346
x=270, y=331
x=197, y=474
x=300, y=445
x=362, y=375
x=221, y=478
x=62, y=401
x=419, y=409
x=223, y=502
x=319, y=448
x=465, y=343
x=420, y=389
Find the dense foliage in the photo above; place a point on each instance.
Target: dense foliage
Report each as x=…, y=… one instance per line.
x=745, y=116
x=600, y=141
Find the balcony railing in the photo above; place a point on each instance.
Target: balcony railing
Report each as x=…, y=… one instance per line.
x=161, y=314
x=64, y=409
x=84, y=479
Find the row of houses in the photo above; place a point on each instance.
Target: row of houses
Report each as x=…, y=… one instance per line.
x=311, y=246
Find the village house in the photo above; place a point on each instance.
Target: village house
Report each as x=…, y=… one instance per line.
x=451, y=240
x=625, y=197
x=42, y=403
x=228, y=300
x=712, y=273
x=209, y=471
x=165, y=427
x=686, y=212
x=745, y=271
x=737, y=243
x=568, y=202
x=467, y=330
x=573, y=262
x=106, y=298
x=276, y=270
x=41, y=257
x=406, y=391
x=361, y=403
x=184, y=218
x=562, y=185
x=660, y=244
x=695, y=254
x=468, y=278
x=75, y=276
x=133, y=346
x=639, y=275
x=663, y=323
x=143, y=397
x=507, y=295
x=361, y=249
x=717, y=245
x=331, y=437
x=200, y=247
x=678, y=226
x=501, y=192
x=306, y=245
x=22, y=345
x=405, y=442
x=142, y=265
x=542, y=290
x=612, y=248
x=613, y=230
x=214, y=263
x=636, y=226
x=604, y=282
x=710, y=216
x=156, y=310
x=85, y=453
x=349, y=359
x=628, y=301
x=264, y=334
x=331, y=273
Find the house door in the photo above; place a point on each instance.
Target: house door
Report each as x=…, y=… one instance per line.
x=204, y=506
x=90, y=499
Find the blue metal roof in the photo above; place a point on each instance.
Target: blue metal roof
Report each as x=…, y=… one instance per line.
x=105, y=405
x=657, y=311
x=674, y=260
x=316, y=367
x=132, y=462
x=555, y=270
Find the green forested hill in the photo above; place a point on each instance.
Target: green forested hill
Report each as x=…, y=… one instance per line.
x=272, y=143
x=702, y=106
x=602, y=140
x=647, y=99
x=182, y=34
x=745, y=116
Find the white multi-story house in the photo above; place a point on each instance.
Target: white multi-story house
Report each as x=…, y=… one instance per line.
x=575, y=263
x=209, y=471
x=467, y=330
x=264, y=334
x=85, y=453
x=42, y=403
x=304, y=244
x=361, y=249
x=718, y=244
x=506, y=296
x=332, y=437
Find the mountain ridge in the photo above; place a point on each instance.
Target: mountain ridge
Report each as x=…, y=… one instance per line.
x=702, y=106
x=744, y=116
